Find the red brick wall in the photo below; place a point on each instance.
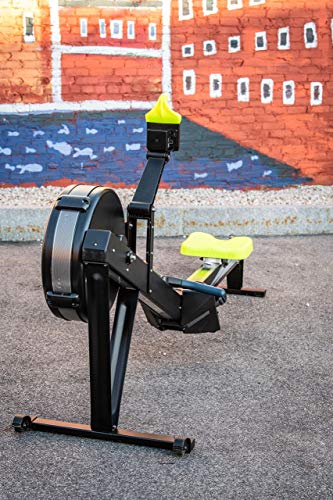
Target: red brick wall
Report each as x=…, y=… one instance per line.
x=88, y=76
x=299, y=134
x=108, y=77
x=70, y=26
x=25, y=70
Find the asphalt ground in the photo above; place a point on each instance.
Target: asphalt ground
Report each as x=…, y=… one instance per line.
x=257, y=395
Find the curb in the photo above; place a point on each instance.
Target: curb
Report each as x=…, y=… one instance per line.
x=28, y=224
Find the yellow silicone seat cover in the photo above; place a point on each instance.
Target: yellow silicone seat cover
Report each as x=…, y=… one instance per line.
x=205, y=245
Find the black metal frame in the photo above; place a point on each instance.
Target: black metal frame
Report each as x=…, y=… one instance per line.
x=110, y=261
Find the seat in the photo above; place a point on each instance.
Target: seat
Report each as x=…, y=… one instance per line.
x=205, y=245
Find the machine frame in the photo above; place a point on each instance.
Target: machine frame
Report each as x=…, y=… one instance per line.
x=106, y=265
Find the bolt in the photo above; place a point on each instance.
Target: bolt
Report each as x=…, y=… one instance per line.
x=131, y=257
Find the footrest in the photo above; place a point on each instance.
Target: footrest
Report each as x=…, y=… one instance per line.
x=205, y=245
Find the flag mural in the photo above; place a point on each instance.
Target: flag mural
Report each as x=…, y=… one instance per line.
x=252, y=78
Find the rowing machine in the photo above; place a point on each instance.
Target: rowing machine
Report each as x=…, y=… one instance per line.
x=89, y=260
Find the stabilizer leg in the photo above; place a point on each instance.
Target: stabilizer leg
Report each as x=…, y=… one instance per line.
x=120, y=345
x=235, y=283
x=108, y=362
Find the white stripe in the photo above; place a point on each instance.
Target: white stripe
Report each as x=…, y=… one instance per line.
x=166, y=52
x=55, y=54
x=109, y=51
x=75, y=106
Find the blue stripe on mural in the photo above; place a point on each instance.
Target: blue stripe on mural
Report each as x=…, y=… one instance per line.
x=110, y=147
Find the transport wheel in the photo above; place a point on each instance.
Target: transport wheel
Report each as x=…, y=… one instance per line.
x=183, y=446
x=21, y=423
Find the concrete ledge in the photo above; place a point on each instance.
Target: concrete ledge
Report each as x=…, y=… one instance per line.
x=28, y=224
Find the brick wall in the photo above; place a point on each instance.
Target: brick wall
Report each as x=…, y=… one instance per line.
x=88, y=76
x=25, y=69
x=225, y=57
x=299, y=134
x=140, y=37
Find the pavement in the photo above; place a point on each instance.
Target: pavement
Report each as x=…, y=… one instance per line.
x=292, y=211
x=257, y=395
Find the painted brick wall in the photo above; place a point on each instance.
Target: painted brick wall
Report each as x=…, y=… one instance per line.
x=106, y=62
x=92, y=76
x=299, y=134
x=71, y=32
x=87, y=76
x=25, y=69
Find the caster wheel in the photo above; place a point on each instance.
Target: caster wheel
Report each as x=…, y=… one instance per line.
x=21, y=423
x=182, y=446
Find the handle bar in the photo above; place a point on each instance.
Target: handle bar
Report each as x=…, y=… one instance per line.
x=197, y=287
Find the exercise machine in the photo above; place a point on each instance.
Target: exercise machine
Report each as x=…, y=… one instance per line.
x=89, y=261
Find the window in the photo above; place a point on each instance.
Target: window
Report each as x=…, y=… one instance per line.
x=243, y=89
x=209, y=48
x=102, y=28
x=316, y=93
x=284, y=39
x=235, y=4
x=310, y=36
x=261, y=41
x=189, y=82
x=28, y=27
x=130, y=30
x=116, y=29
x=267, y=87
x=257, y=2
x=188, y=50
x=152, y=31
x=234, y=43
x=185, y=9
x=215, y=85
x=83, y=27
x=209, y=7
x=289, y=92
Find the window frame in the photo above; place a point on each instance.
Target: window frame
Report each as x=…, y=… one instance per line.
x=231, y=6
x=181, y=15
x=131, y=36
x=207, y=12
x=270, y=82
x=154, y=27
x=113, y=23
x=240, y=96
x=213, y=43
x=191, y=73
x=191, y=45
x=315, y=102
x=83, y=27
x=256, y=36
x=288, y=101
x=314, y=44
x=28, y=38
x=215, y=93
x=102, y=22
x=285, y=29
x=232, y=50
